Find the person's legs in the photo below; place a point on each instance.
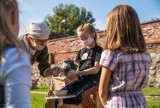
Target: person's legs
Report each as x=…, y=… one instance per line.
x=87, y=101
x=74, y=88
x=78, y=88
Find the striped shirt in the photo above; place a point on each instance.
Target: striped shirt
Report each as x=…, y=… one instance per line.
x=129, y=75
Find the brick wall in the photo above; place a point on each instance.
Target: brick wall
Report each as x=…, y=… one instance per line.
x=64, y=48
x=67, y=47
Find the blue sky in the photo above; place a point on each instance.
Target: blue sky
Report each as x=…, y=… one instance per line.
x=37, y=10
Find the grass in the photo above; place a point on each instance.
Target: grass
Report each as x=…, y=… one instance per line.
x=41, y=88
x=151, y=91
x=152, y=100
x=38, y=100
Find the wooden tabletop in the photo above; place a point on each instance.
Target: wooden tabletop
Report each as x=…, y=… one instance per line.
x=61, y=97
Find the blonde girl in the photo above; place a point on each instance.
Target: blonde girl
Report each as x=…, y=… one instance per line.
x=125, y=61
x=88, y=62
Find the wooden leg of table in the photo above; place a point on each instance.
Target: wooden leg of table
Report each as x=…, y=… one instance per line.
x=60, y=103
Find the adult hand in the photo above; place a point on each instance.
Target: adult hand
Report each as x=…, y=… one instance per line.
x=56, y=70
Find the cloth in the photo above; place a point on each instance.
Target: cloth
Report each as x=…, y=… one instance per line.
x=78, y=87
x=129, y=75
x=38, y=30
x=84, y=82
x=15, y=76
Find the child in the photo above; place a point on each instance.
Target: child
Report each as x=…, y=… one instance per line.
x=88, y=61
x=125, y=61
x=15, y=67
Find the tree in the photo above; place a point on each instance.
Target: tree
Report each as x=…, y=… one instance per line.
x=67, y=18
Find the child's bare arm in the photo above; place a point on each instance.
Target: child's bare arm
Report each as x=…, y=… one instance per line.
x=104, y=85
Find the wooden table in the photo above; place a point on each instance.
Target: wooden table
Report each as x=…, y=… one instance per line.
x=60, y=98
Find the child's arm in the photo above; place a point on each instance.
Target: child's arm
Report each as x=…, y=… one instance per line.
x=104, y=85
x=92, y=70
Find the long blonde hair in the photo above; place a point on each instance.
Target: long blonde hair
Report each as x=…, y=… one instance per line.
x=87, y=27
x=6, y=36
x=124, y=31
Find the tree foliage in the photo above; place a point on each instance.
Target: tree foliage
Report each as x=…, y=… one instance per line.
x=66, y=18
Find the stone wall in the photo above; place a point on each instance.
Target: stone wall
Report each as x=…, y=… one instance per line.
x=36, y=75
x=151, y=31
x=67, y=48
x=154, y=76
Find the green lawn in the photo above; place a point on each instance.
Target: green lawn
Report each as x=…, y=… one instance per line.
x=38, y=100
x=152, y=100
x=151, y=91
x=41, y=88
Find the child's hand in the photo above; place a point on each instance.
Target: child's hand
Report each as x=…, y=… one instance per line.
x=72, y=73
